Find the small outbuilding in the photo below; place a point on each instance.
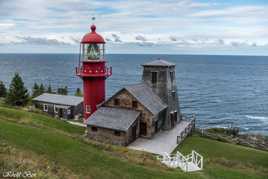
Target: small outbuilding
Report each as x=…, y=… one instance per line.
x=62, y=106
x=117, y=126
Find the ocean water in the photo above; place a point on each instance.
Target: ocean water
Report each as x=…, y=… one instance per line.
x=221, y=90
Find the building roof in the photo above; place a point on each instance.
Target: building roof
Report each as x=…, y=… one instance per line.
x=113, y=118
x=159, y=62
x=92, y=37
x=145, y=95
x=59, y=99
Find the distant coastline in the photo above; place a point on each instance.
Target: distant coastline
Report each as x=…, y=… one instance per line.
x=159, y=54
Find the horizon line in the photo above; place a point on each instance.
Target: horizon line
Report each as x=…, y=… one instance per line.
x=170, y=54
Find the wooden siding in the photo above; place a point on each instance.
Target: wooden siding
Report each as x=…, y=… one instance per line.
x=74, y=110
x=125, y=101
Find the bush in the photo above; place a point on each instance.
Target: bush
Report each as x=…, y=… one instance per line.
x=3, y=90
x=63, y=91
x=17, y=94
x=78, y=92
x=49, y=89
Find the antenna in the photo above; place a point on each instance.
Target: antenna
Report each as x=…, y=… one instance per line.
x=93, y=19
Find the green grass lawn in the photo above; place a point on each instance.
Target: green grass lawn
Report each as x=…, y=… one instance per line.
x=224, y=160
x=38, y=120
x=46, y=141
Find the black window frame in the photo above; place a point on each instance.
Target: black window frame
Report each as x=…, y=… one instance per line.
x=94, y=129
x=172, y=75
x=135, y=104
x=173, y=93
x=116, y=101
x=154, y=77
x=117, y=133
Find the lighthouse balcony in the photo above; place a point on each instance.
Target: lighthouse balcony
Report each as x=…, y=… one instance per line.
x=83, y=72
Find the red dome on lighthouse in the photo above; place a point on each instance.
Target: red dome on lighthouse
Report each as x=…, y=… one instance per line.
x=92, y=37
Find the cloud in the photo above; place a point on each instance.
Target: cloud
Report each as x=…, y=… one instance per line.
x=174, y=23
x=141, y=38
x=116, y=38
x=45, y=40
x=41, y=41
x=6, y=25
x=240, y=11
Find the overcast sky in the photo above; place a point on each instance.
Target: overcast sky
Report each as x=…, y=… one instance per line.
x=136, y=26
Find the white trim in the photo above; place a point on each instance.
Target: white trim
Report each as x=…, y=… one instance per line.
x=45, y=107
x=56, y=109
x=189, y=163
x=88, y=109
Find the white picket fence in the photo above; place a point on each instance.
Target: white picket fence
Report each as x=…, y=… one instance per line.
x=188, y=163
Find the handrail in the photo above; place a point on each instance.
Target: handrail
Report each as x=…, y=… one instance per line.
x=190, y=162
x=88, y=72
x=187, y=130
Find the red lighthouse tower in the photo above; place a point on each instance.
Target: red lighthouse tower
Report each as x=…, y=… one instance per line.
x=93, y=71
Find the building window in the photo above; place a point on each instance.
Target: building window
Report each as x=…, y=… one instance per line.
x=56, y=110
x=116, y=101
x=134, y=104
x=154, y=77
x=172, y=76
x=45, y=107
x=117, y=133
x=88, y=109
x=173, y=94
x=94, y=129
x=68, y=111
x=175, y=116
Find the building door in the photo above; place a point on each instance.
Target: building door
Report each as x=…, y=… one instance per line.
x=156, y=126
x=60, y=112
x=175, y=116
x=172, y=119
x=143, y=128
x=134, y=133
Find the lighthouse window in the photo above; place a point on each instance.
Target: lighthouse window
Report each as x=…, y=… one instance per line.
x=93, y=51
x=154, y=77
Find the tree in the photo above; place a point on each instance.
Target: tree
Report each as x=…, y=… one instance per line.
x=17, y=94
x=49, y=89
x=3, y=90
x=35, y=90
x=63, y=91
x=41, y=89
x=78, y=92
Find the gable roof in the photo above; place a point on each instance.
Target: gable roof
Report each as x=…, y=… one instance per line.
x=59, y=99
x=159, y=62
x=113, y=118
x=145, y=95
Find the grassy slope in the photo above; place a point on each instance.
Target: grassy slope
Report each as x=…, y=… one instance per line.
x=57, y=142
x=223, y=160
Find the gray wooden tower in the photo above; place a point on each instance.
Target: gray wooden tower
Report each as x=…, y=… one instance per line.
x=160, y=76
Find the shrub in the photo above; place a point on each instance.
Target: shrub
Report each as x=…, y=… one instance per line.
x=17, y=94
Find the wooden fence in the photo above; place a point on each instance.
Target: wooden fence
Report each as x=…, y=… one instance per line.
x=189, y=129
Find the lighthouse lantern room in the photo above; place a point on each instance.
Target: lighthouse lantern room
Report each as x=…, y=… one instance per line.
x=93, y=70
